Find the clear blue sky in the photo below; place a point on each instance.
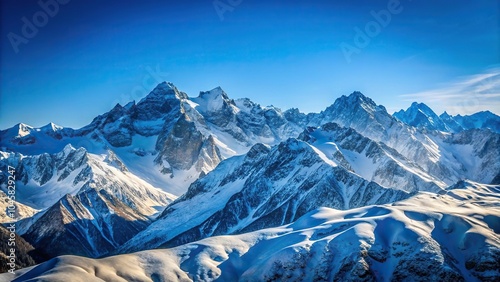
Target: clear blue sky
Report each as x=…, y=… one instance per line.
x=92, y=54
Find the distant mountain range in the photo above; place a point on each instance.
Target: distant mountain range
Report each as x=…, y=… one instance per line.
x=170, y=170
x=421, y=116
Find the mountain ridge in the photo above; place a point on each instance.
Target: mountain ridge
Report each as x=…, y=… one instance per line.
x=378, y=242
x=231, y=166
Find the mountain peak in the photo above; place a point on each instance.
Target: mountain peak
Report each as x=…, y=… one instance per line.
x=67, y=150
x=129, y=105
x=213, y=100
x=215, y=93
x=23, y=126
x=20, y=130
x=445, y=115
x=422, y=116
x=51, y=127
x=165, y=90
x=166, y=85
x=357, y=94
x=421, y=106
x=357, y=97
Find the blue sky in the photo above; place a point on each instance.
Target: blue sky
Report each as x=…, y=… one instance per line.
x=91, y=54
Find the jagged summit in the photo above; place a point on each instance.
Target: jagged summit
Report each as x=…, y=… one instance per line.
x=445, y=114
x=213, y=100
x=22, y=129
x=421, y=116
x=213, y=93
x=129, y=105
x=164, y=90
x=359, y=97
x=355, y=100
x=51, y=127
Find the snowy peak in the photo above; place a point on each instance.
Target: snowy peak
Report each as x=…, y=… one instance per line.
x=357, y=98
x=19, y=134
x=213, y=94
x=93, y=202
x=164, y=91
x=356, y=105
x=22, y=129
x=421, y=116
x=146, y=118
x=450, y=122
x=360, y=97
x=51, y=127
x=24, y=135
x=484, y=119
x=214, y=100
x=358, y=112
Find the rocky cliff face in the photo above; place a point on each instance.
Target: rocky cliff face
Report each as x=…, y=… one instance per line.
x=90, y=224
x=185, y=147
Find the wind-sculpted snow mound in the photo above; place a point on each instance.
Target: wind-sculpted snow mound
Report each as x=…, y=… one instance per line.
x=428, y=237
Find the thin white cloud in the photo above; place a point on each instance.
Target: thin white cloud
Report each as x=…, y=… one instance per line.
x=468, y=95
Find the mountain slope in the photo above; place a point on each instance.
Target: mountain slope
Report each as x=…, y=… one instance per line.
x=372, y=160
x=444, y=161
x=425, y=238
x=44, y=179
x=89, y=224
x=13, y=210
x=22, y=252
x=238, y=166
x=92, y=203
x=266, y=187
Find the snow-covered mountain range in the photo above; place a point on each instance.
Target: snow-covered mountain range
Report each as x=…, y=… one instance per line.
x=420, y=115
x=266, y=187
x=428, y=237
x=172, y=169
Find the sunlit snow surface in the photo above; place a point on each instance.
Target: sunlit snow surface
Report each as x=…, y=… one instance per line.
x=451, y=236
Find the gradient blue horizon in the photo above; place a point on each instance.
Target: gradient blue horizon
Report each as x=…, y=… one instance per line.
x=91, y=55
